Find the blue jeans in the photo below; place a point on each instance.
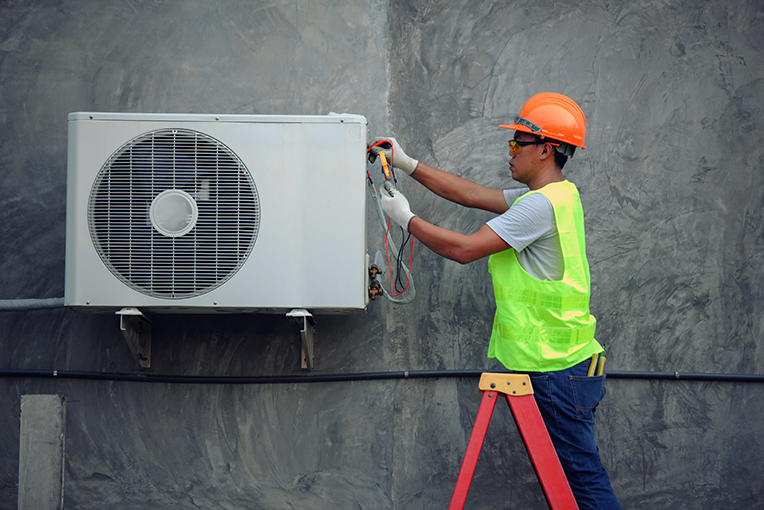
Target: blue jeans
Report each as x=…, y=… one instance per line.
x=567, y=400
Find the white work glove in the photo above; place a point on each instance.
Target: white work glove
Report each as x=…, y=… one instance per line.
x=398, y=157
x=397, y=207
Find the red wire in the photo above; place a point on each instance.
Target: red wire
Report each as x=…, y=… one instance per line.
x=392, y=172
x=387, y=233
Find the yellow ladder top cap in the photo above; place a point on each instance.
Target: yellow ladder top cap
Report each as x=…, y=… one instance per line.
x=509, y=384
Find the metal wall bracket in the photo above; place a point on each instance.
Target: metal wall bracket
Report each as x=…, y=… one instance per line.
x=303, y=319
x=136, y=328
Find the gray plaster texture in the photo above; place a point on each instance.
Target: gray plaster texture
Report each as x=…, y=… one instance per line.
x=41, y=452
x=671, y=180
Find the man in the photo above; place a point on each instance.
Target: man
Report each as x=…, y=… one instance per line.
x=540, y=275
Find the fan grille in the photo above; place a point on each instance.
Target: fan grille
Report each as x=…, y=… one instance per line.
x=155, y=263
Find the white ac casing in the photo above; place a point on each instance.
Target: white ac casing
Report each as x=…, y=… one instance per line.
x=288, y=218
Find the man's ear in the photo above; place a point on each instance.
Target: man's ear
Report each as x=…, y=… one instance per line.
x=547, y=151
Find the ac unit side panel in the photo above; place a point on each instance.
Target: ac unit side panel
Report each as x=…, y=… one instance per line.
x=310, y=247
x=339, y=204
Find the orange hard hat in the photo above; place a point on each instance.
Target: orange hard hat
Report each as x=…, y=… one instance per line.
x=554, y=116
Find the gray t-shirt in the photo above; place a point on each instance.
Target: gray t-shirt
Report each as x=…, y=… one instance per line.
x=529, y=228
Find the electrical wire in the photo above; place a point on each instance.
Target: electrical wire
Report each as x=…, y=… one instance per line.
x=399, y=265
x=411, y=294
x=359, y=376
x=392, y=168
x=397, y=288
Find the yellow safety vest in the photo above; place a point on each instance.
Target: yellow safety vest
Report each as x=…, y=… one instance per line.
x=542, y=326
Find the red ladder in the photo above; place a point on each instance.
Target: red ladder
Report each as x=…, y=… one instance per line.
x=519, y=393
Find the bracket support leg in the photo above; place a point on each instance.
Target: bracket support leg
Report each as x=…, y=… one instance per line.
x=306, y=322
x=136, y=328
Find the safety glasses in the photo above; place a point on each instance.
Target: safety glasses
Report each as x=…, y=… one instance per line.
x=515, y=146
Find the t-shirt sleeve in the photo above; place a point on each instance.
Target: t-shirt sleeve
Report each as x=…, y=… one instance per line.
x=531, y=218
x=510, y=195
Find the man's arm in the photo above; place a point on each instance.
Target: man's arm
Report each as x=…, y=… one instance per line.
x=460, y=190
x=444, y=184
x=455, y=246
x=446, y=243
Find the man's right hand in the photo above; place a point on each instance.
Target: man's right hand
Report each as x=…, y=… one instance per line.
x=393, y=152
x=396, y=206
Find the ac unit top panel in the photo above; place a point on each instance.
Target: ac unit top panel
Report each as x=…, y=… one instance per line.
x=213, y=213
x=201, y=117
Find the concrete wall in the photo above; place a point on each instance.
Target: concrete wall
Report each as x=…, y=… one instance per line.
x=672, y=186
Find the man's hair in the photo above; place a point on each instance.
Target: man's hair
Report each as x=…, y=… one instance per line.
x=559, y=158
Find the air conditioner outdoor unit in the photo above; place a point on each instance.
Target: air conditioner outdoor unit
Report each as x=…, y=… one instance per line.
x=228, y=213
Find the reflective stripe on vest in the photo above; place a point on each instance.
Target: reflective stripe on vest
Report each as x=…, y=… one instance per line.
x=542, y=326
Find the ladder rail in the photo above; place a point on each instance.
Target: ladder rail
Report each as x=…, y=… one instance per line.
x=474, y=446
x=541, y=451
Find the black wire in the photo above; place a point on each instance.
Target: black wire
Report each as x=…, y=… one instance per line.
x=397, y=287
x=400, y=286
x=362, y=376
